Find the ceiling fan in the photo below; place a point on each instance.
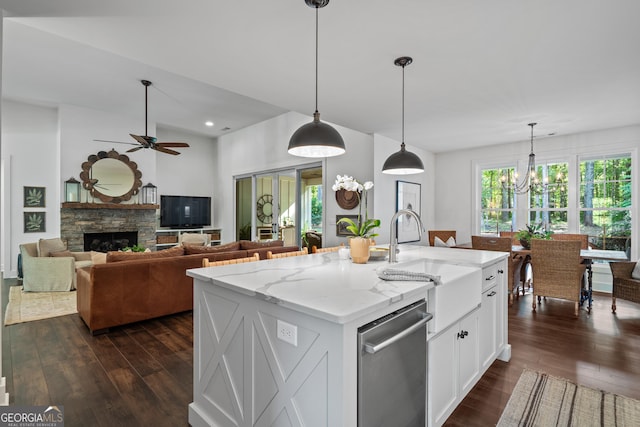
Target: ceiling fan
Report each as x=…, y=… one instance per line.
x=147, y=141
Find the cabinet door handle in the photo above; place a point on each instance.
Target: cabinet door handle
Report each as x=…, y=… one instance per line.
x=501, y=271
x=490, y=277
x=491, y=294
x=372, y=349
x=462, y=334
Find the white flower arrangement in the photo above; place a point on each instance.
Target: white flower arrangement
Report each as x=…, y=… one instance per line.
x=362, y=228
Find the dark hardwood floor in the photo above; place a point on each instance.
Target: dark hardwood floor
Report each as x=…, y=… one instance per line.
x=142, y=375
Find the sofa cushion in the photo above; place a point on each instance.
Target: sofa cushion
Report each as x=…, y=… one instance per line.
x=64, y=253
x=46, y=246
x=98, y=257
x=228, y=247
x=636, y=271
x=116, y=256
x=248, y=244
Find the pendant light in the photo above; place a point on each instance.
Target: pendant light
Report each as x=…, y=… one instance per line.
x=403, y=162
x=316, y=139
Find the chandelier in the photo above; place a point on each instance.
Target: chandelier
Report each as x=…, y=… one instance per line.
x=531, y=181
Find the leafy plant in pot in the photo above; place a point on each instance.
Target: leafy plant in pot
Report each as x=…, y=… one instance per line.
x=532, y=232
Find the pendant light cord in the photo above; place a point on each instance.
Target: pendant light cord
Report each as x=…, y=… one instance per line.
x=146, y=90
x=403, y=105
x=316, y=58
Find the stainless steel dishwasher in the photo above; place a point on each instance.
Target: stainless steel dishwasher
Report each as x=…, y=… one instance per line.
x=392, y=369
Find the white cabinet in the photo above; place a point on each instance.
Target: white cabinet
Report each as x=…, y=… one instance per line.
x=493, y=315
x=459, y=355
x=454, y=367
x=167, y=238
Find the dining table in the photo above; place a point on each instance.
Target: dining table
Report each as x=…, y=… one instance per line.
x=588, y=257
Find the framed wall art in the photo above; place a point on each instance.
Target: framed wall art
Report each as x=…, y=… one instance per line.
x=35, y=222
x=34, y=197
x=407, y=197
x=341, y=228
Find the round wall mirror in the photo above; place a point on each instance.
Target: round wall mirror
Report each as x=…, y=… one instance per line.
x=111, y=176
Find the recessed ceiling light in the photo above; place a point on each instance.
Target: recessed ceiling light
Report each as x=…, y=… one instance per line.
x=208, y=123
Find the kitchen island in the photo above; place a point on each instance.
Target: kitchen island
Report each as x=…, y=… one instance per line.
x=275, y=341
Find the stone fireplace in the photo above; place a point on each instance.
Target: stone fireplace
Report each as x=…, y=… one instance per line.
x=78, y=219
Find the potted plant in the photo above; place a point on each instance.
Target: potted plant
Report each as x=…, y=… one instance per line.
x=532, y=232
x=363, y=230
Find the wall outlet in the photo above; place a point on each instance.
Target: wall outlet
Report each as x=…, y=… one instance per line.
x=287, y=332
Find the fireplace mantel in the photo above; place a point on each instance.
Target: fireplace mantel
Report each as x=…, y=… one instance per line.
x=77, y=205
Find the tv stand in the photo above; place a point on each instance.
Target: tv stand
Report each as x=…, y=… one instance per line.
x=169, y=237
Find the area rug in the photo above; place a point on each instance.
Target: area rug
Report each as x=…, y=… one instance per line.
x=29, y=306
x=540, y=399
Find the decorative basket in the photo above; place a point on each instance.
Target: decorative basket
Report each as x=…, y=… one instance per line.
x=214, y=236
x=167, y=239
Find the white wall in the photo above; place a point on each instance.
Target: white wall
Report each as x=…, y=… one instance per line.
x=385, y=185
x=44, y=147
x=456, y=171
x=79, y=127
x=456, y=175
x=30, y=157
x=264, y=147
x=192, y=172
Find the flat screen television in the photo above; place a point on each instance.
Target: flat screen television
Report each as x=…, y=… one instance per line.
x=185, y=211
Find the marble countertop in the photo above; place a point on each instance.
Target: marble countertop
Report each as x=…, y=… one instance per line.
x=334, y=289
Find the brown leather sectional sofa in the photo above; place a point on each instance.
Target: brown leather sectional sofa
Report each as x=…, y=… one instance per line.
x=134, y=287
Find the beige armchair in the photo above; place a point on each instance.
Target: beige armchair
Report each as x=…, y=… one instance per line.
x=46, y=271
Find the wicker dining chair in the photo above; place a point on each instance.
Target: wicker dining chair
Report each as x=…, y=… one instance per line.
x=557, y=270
x=502, y=244
x=583, y=238
x=624, y=286
x=271, y=255
x=443, y=235
x=316, y=250
x=207, y=263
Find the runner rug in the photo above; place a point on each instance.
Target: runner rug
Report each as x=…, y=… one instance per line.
x=29, y=306
x=540, y=399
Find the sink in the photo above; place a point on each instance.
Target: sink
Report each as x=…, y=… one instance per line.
x=459, y=292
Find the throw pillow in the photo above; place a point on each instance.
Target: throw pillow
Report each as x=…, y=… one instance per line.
x=46, y=246
x=64, y=253
x=636, y=271
x=194, y=239
x=248, y=244
x=116, y=256
x=437, y=242
x=229, y=247
x=98, y=257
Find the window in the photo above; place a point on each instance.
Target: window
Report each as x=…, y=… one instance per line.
x=550, y=207
x=606, y=201
x=497, y=204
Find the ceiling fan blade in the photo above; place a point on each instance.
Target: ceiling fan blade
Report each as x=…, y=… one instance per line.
x=139, y=147
x=144, y=140
x=172, y=144
x=116, y=142
x=165, y=150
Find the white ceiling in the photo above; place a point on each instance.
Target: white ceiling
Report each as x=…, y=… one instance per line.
x=482, y=70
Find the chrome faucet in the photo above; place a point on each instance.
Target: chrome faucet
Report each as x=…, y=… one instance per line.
x=393, y=237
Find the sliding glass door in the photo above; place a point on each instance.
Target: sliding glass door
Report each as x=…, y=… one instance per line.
x=280, y=204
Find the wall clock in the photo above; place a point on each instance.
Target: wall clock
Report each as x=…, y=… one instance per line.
x=265, y=208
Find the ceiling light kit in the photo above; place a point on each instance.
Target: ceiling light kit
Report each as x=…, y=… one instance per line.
x=530, y=182
x=316, y=139
x=403, y=162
